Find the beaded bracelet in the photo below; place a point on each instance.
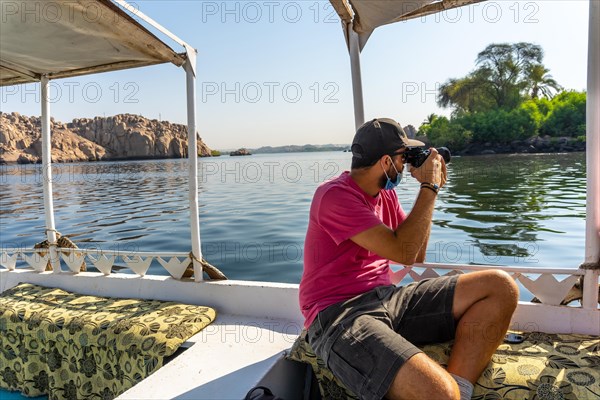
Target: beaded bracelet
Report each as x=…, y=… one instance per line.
x=431, y=186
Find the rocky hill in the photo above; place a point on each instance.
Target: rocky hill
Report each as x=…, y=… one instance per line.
x=121, y=137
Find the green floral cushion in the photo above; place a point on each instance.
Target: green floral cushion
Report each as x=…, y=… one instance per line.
x=329, y=386
x=543, y=367
x=71, y=346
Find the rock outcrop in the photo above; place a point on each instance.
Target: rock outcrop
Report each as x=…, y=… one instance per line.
x=240, y=152
x=121, y=137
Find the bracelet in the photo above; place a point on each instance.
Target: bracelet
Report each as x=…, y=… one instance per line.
x=431, y=186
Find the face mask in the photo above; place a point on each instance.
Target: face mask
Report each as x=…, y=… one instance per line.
x=389, y=185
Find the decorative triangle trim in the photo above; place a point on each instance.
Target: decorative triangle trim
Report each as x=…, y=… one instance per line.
x=74, y=260
x=103, y=264
x=9, y=262
x=137, y=264
x=175, y=267
x=548, y=289
x=428, y=273
x=37, y=261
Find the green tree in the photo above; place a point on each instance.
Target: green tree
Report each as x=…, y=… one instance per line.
x=445, y=132
x=500, y=79
x=426, y=125
x=567, y=115
x=468, y=94
x=539, y=81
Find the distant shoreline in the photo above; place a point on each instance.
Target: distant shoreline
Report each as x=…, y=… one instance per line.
x=287, y=152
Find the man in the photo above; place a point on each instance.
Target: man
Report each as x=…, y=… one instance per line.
x=358, y=322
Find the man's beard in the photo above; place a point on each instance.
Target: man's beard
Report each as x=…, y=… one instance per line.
x=382, y=181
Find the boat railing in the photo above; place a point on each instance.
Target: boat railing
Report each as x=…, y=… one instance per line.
x=105, y=261
x=549, y=285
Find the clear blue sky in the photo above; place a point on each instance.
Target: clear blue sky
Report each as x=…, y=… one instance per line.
x=277, y=72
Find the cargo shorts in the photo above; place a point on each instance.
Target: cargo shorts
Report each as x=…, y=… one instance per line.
x=365, y=340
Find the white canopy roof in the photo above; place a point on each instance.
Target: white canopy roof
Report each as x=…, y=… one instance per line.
x=367, y=15
x=65, y=38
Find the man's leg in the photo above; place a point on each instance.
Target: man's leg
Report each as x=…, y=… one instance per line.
x=422, y=378
x=483, y=305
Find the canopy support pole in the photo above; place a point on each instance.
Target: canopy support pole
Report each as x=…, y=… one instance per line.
x=47, y=176
x=592, y=231
x=354, y=50
x=189, y=68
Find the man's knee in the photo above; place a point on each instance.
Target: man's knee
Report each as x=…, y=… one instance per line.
x=504, y=286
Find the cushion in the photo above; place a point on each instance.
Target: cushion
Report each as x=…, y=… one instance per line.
x=543, y=367
x=66, y=345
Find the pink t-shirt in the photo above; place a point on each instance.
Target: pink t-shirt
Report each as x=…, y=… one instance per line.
x=336, y=268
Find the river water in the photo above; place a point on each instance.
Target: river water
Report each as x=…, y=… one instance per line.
x=523, y=210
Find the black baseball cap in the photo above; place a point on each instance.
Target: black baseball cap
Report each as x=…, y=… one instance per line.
x=379, y=137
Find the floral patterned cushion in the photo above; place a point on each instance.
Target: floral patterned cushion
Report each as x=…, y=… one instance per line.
x=543, y=367
x=71, y=346
x=329, y=386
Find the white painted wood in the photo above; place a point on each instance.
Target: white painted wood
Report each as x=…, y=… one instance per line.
x=37, y=261
x=357, y=91
x=103, y=263
x=47, y=175
x=256, y=299
x=507, y=268
x=592, y=229
x=175, y=266
x=8, y=262
x=227, y=359
x=74, y=260
x=189, y=67
x=138, y=264
x=590, y=289
x=556, y=319
x=547, y=288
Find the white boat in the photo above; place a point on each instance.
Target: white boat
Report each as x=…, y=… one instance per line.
x=257, y=322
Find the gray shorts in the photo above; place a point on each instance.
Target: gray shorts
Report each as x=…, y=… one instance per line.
x=365, y=340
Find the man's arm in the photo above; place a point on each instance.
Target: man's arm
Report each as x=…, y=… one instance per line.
x=423, y=251
x=408, y=243
x=404, y=244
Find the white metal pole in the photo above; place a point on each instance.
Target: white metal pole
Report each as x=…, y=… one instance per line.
x=193, y=166
x=592, y=232
x=354, y=50
x=47, y=176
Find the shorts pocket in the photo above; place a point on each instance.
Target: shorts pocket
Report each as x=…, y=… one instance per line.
x=351, y=362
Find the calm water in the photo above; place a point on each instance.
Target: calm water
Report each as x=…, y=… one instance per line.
x=502, y=210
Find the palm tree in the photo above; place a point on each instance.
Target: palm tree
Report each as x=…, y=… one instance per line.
x=430, y=119
x=539, y=81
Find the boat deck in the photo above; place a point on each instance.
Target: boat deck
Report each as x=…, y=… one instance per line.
x=226, y=360
x=257, y=324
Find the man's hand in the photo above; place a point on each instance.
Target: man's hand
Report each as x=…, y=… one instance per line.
x=433, y=170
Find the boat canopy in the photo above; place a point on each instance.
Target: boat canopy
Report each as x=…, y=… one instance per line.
x=62, y=39
x=40, y=41
x=367, y=15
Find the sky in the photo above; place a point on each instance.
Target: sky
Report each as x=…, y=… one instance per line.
x=274, y=73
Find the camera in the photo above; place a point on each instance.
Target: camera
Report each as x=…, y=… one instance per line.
x=416, y=156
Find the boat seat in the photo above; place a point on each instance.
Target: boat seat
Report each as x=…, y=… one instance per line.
x=68, y=345
x=544, y=366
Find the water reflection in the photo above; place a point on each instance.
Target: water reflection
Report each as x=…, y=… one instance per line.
x=501, y=201
x=254, y=210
